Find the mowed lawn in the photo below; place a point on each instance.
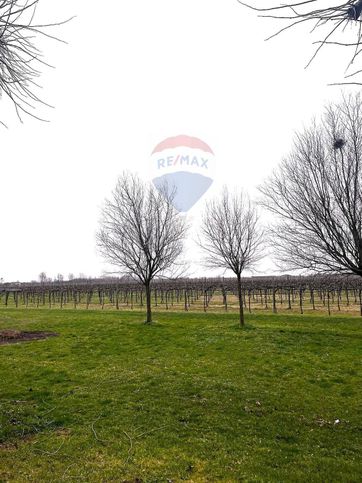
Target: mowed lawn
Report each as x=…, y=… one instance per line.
x=191, y=398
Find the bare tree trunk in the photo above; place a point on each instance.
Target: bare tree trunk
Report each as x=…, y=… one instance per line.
x=312, y=298
x=274, y=302
x=148, y=303
x=328, y=302
x=240, y=297
x=225, y=300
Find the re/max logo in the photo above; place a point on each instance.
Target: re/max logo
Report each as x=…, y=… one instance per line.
x=180, y=160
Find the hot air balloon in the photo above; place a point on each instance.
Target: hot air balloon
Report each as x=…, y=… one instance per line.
x=184, y=164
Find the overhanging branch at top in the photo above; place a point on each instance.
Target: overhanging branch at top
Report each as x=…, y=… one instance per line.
x=20, y=58
x=333, y=19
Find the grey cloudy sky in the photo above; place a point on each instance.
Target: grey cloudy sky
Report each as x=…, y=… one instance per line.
x=130, y=77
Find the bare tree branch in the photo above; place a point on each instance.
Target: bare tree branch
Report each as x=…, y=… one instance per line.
x=20, y=59
x=332, y=19
x=317, y=195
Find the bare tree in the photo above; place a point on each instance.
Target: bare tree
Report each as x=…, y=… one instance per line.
x=230, y=236
x=331, y=20
x=141, y=233
x=317, y=194
x=20, y=59
x=43, y=277
x=59, y=277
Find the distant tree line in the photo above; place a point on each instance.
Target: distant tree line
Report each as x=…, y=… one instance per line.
x=284, y=293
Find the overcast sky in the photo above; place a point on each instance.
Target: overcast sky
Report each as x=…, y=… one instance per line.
x=130, y=77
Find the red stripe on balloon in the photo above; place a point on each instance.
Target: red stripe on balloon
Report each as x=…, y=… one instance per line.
x=182, y=141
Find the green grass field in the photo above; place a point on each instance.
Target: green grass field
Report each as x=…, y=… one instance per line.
x=191, y=398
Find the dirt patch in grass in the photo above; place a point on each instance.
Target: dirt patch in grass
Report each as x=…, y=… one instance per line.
x=10, y=336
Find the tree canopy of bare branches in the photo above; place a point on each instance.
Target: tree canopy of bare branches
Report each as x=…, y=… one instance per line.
x=141, y=233
x=20, y=58
x=331, y=20
x=317, y=194
x=230, y=236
